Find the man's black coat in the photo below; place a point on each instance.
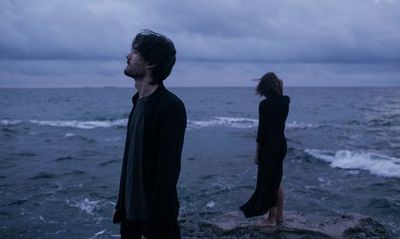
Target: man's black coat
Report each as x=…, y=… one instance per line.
x=163, y=130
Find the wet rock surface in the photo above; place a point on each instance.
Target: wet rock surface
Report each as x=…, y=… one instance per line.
x=295, y=225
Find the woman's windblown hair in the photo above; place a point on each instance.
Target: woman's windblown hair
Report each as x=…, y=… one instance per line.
x=270, y=85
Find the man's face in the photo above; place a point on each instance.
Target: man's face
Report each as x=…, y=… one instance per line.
x=136, y=67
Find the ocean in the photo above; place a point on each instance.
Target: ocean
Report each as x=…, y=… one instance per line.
x=61, y=154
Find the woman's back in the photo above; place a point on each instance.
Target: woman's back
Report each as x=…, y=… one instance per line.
x=273, y=112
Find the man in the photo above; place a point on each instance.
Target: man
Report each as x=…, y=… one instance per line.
x=148, y=205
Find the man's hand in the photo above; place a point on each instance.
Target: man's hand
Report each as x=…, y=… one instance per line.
x=143, y=237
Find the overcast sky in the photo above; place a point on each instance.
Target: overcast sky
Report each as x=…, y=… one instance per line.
x=51, y=43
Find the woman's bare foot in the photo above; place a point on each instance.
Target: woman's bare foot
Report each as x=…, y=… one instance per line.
x=265, y=223
x=270, y=223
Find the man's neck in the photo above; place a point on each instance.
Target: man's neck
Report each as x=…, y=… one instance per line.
x=145, y=88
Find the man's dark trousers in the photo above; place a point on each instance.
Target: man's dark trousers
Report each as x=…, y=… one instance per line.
x=135, y=229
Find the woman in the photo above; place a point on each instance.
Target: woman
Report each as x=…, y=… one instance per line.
x=271, y=150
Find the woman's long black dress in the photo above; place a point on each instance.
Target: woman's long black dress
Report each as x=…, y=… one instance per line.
x=271, y=138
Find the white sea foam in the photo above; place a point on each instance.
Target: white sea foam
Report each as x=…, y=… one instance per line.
x=224, y=121
x=210, y=204
x=324, y=182
x=299, y=125
x=81, y=124
x=69, y=135
x=375, y=163
x=10, y=122
x=229, y=122
x=232, y=122
x=85, y=205
x=90, y=124
x=98, y=234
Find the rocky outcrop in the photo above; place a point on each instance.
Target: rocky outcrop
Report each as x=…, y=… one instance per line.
x=296, y=225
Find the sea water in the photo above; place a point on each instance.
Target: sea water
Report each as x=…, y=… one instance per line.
x=61, y=154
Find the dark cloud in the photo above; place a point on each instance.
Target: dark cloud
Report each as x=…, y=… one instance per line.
x=83, y=37
x=62, y=30
x=222, y=30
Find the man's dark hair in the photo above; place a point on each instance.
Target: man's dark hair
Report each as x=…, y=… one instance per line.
x=270, y=85
x=157, y=50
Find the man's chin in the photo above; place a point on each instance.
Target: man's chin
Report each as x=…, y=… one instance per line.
x=132, y=74
x=128, y=73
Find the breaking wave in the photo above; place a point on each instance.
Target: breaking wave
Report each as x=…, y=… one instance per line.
x=375, y=163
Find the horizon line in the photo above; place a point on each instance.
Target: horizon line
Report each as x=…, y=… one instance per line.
x=130, y=87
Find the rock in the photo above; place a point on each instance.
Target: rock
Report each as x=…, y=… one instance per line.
x=295, y=225
x=366, y=228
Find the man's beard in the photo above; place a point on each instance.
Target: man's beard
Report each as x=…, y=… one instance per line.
x=134, y=72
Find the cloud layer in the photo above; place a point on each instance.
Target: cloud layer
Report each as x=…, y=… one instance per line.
x=89, y=38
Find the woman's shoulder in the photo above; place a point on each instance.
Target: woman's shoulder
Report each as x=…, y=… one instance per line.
x=275, y=100
x=263, y=102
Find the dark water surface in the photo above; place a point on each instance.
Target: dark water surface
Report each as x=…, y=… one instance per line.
x=60, y=155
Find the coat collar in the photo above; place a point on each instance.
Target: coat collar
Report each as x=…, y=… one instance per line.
x=153, y=96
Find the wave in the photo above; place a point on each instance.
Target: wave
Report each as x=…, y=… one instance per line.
x=375, y=163
x=98, y=234
x=225, y=122
x=90, y=124
x=85, y=205
x=44, y=175
x=300, y=125
x=10, y=122
x=81, y=124
x=229, y=122
x=232, y=122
